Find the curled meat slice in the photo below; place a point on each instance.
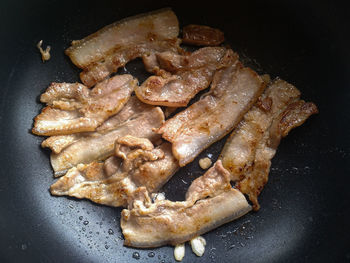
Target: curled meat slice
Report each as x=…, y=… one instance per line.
x=110, y=48
x=59, y=142
x=189, y=75
x=207, y=206
x=294, y=115
x=131, y=109
x=99, y=145
x=137, y=163
x=160, y=24
x=73, y=108
x=239, y=151
x=200, y=35
x=233, y=91
x=98, y=71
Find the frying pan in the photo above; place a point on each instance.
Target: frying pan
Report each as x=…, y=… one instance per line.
x=304, y=215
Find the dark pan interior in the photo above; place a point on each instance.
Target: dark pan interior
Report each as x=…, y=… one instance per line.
x=304, y=215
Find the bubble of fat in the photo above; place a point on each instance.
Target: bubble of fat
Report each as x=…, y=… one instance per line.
x=198, y=245
x=179, y=252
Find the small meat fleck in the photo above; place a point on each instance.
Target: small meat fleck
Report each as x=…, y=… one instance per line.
x=45, y=54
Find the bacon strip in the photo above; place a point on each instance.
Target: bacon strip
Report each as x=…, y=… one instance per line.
x=111, y=47
x=131, y=109
x=248, y=152
x=99, y=145
x=239, y=151
x=114, y=181
x=147, y=224
x=234, y=90
x=73, y=108
x=189, y=75
x=293, y=116
x=98, y=71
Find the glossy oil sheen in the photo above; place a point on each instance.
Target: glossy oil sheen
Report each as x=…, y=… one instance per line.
x=304, y=211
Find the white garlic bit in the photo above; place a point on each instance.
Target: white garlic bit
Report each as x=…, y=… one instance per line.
x=198, y=245
x=45, y=54
x=205, y=163
x=158, y=196
x=179, y=252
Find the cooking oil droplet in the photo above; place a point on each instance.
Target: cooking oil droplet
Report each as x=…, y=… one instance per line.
x=110, y=231
x=106, y=246
x=80, y=217
x=86, y=222
x=151, y=254
x=136, y=255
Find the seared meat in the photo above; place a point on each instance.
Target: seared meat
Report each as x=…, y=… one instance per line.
x=295, y=114
x=189, y=75
x=137, y=163
x=108, y=144
x=73, y=108
x=239, y=151
x=131, y=109
x=233, y=91
x=59, y=142
x=99, y=145
x=248, y=152
x=119, y=58
x=210, y=202
x=111, y=47
x=200, y=35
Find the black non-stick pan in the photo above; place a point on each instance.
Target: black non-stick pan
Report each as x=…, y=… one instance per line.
x=304, y=215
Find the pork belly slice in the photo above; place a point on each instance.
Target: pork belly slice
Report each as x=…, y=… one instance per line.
x=189, y=74
x=157, y=25
x=131, y=109
x=200, y=35
x=104, y=51
x=294, y=115
x=210, y=202
x=136, y=163
x=239, y=151
x=98, y=71
x=99, y=145
x=73, y=108
x=233, y=91
x=59, y=142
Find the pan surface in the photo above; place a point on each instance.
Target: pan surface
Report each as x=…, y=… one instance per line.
x=304, y=215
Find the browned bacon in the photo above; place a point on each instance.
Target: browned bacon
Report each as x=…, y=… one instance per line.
x=233, y=91
x=137, y=163
x=73, y=108
x=210, y=202
x=99, y=145
x=189, y=74
x=103, y=52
